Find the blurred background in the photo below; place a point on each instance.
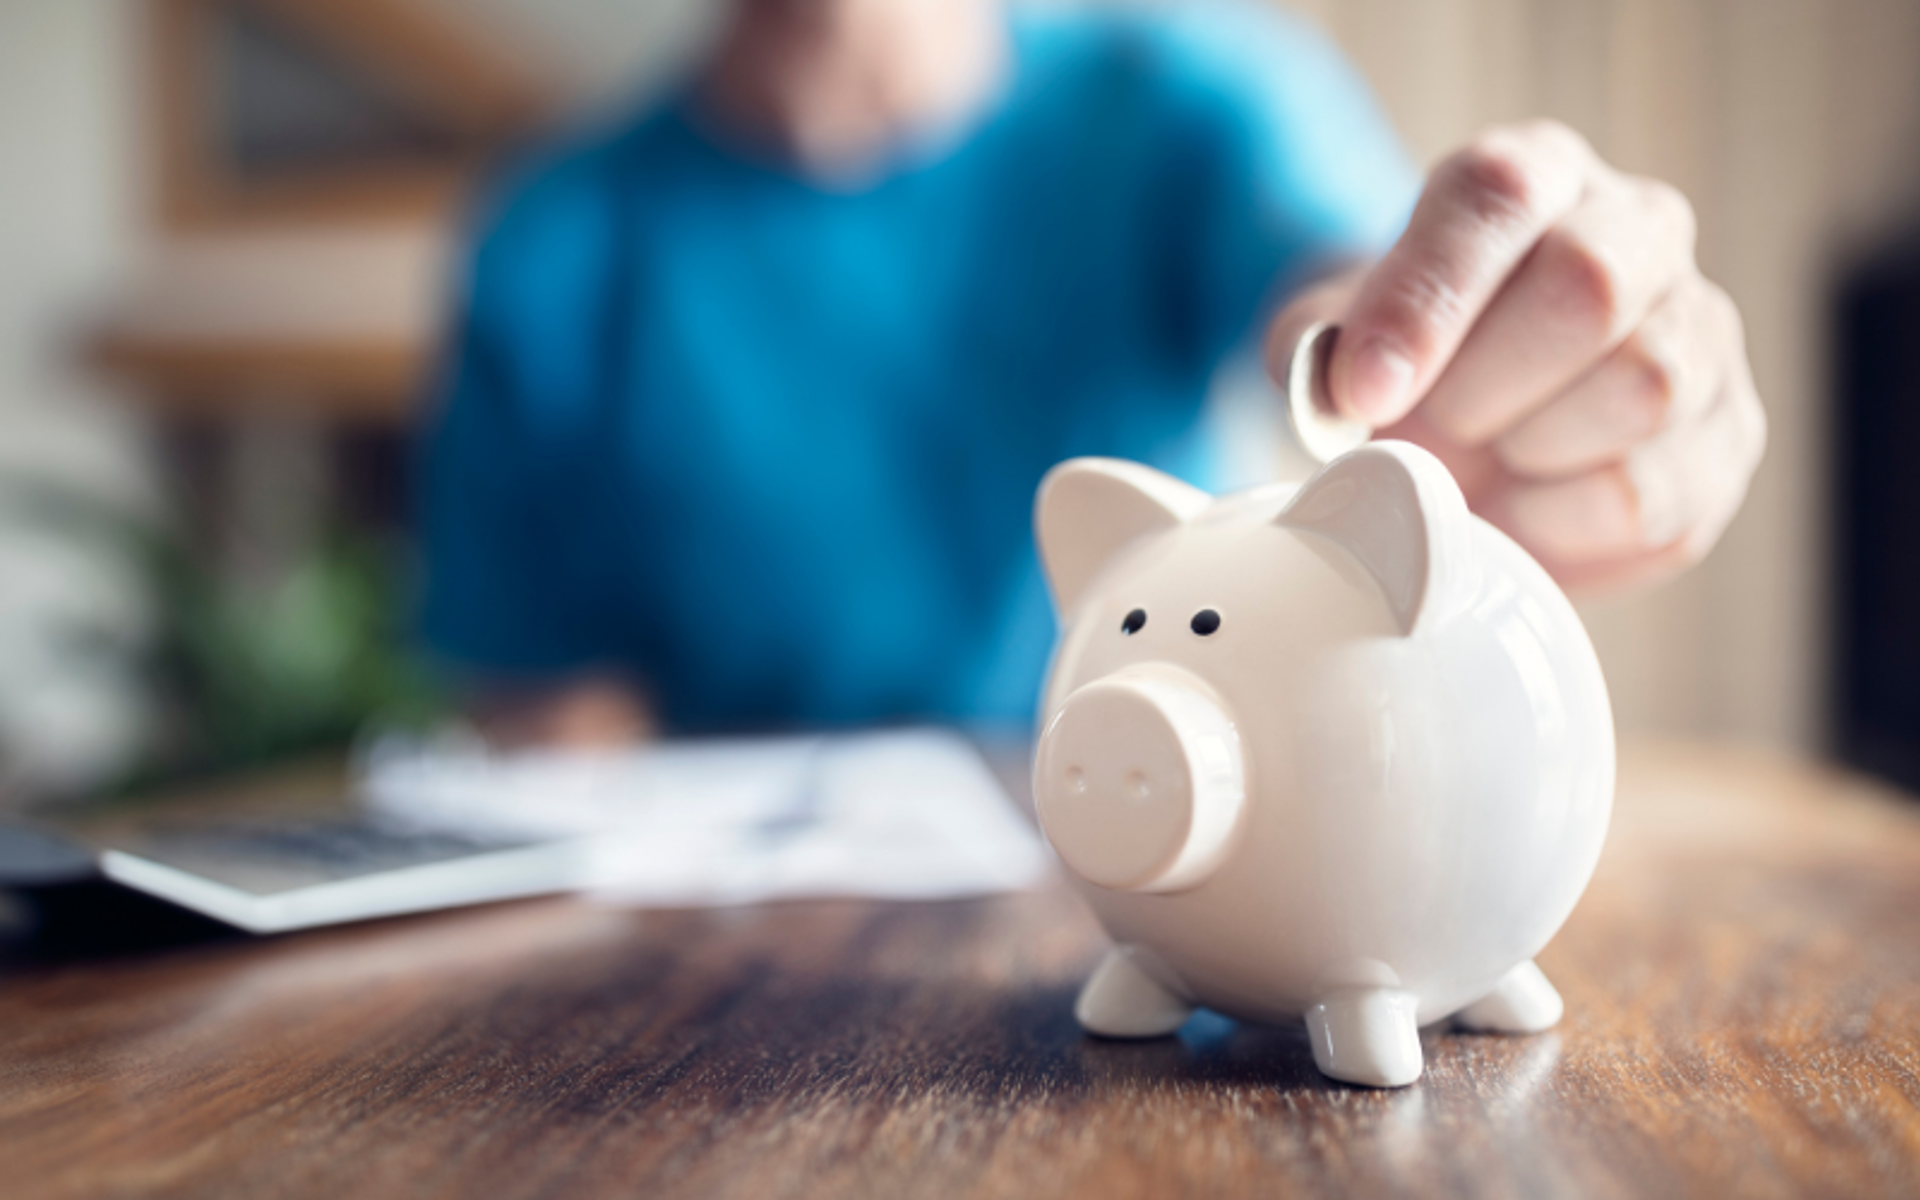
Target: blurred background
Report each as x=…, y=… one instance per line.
x=225, y=234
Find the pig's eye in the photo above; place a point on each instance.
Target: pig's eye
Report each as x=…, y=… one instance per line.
x=1135, y=621
x=1206, y=621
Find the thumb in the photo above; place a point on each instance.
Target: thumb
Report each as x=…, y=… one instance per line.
x=1482, y=211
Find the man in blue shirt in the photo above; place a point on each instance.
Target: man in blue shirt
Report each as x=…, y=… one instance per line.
x=748, y=399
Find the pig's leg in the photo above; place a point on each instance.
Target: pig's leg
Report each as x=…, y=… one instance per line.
x=1367, y=1035
x=1522, y=1002
x=1120, y=1000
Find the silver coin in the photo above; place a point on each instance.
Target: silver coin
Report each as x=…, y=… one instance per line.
x=1318, y=428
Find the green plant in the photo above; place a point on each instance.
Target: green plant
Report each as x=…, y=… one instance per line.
x=244, y=671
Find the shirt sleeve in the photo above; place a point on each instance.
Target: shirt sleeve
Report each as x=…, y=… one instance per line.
x=498, y=501
x=1285, y=164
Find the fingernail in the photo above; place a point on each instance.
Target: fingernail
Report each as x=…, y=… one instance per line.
x=1377, y=381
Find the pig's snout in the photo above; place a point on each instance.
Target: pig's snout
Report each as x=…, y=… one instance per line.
x=1140, y=781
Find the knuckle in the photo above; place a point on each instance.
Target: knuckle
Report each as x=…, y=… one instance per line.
x=1675, y=208
x=1726, y=314
x=1653, y=388
x=1753, y=426
x=1492, y=179
x=1549, y=128
x=1559, y=137
x=1580, y=283
x=1705, y=533
x=1711, y=314
x=1696, y=544
x=1748, y=414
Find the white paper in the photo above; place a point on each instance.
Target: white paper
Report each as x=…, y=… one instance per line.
x=914, y=814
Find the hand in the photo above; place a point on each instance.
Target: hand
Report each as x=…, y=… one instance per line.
x=1543, y=328
x=584, y=713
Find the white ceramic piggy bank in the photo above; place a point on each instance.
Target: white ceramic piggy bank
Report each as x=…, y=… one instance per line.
x=1338, y=750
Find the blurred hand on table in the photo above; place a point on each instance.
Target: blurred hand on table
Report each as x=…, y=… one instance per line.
x=1542, y=327
x=588, y=712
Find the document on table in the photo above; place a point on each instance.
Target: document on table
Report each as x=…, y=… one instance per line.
x=913, y=814
x=910, y=814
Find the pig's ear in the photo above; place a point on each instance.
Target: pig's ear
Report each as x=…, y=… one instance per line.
x=1396, y=509
x=1089, y=509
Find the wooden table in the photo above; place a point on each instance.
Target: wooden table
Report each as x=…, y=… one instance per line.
x=1743, y=989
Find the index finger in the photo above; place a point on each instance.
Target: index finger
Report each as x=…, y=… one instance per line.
x=1482, y=211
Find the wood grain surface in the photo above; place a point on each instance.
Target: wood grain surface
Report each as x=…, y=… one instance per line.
x=1743, y=989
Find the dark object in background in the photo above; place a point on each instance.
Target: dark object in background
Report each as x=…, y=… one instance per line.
x=1876, y=536
x=36, y=858
x=55, y=907
x=69, y=922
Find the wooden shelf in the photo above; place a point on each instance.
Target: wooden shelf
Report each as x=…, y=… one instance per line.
x=370, y=381
x=306, y=276
x=339, y=323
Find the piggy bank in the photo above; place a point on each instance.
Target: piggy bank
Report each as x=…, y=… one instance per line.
x=1337, y=751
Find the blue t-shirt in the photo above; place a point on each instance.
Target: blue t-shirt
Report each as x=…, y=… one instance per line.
x=773, y=449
